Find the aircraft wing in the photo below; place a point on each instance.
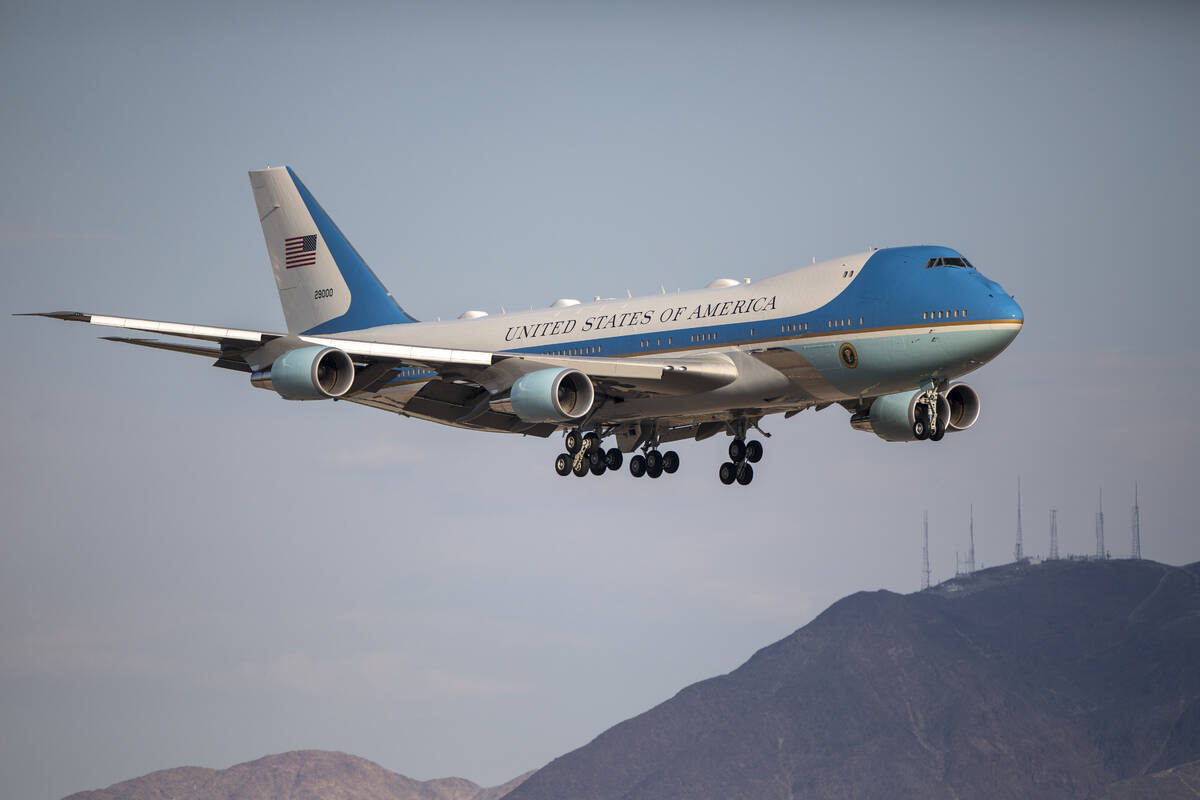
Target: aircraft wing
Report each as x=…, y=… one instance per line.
x=249, y=351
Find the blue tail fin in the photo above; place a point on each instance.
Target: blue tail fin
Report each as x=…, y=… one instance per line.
x=324, y=284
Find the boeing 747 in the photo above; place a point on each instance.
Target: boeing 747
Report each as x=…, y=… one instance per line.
x=885, y=334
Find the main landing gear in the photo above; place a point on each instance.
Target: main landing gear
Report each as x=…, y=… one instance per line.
x=654, y=463
x=586, y=454
x=741, y=455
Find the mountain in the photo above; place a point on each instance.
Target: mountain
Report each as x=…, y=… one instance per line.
x=299, y=775
x=1061, y=679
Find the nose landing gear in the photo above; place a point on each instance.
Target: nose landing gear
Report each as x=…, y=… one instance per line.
x=930, y=413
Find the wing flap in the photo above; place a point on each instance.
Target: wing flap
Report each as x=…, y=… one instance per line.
x=223, y=358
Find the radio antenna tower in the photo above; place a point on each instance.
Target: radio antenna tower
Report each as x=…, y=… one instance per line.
x=925, y=556
x=1054, y=534
x=971, y=550
x=1137, y=525
x=1100, y=551
x=1019, y=550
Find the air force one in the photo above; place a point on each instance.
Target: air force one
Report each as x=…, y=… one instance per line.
x=883, y=334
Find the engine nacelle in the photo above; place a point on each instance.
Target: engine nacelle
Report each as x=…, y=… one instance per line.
x=964, y=407
x=891, y=416
x=552, y=395
x=308, y=373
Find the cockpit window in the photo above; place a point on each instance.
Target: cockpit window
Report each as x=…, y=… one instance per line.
x=948, y=261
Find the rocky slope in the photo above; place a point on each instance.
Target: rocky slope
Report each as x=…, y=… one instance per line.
x=1050, y=680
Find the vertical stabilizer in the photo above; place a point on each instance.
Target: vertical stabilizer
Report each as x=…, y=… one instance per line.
x=324, y=284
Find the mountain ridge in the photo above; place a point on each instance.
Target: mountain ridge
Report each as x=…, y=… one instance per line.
x=1047, y=680
x=295, y=775
x=1062, y=679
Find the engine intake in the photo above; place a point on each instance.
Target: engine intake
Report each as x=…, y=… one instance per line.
x=308, y=373
x=964, y=407
x=552, y=395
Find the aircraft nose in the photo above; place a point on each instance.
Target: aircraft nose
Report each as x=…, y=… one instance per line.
x=1005, y=309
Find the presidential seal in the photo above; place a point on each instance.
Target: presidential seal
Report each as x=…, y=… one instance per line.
x=849, y=355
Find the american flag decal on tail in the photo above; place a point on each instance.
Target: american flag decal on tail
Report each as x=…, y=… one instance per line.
x=300, y=251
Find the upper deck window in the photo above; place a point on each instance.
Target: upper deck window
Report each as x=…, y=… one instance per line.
x=948, y=261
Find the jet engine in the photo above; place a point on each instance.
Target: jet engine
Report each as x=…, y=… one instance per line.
x=308, y=373
x=552, y=395
x=891, y=417
x=964, y=407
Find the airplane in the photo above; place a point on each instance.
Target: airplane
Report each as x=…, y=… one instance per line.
x=884, y=333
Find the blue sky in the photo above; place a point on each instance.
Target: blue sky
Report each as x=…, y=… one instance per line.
x=192, y=572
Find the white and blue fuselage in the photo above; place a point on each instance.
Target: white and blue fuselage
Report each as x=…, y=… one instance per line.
x=911, y=314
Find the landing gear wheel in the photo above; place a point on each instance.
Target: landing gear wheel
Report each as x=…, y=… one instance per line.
x=614, y=459
x=727, y=473
x=598, y=466
x=670, y=462
x=637, y=466
x=754, y=451
x=921, y=430
x=939, y=431
x=737, y=451
x=745, y=474
x=594, y=458
x=654, y=463
x=591, y=442
x=562, y=464
x=581, y=467
x=573, y=441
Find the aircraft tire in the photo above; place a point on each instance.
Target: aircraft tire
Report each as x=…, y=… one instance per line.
x=637, y=466
x=670, y=462
x=598, y=467
x=582, y=468
x=562, y=464
x=754, y=451
x=654, y=470
x=737, y=451
x=920, y=430
x=573, y=441
x=938, y=431
x=727, y=473
x=745, y=474
x=613, y=458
